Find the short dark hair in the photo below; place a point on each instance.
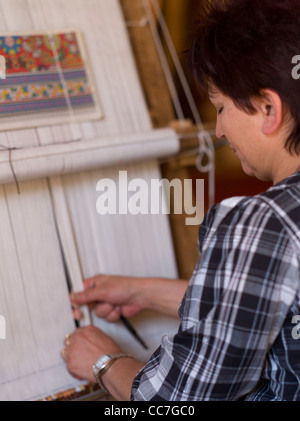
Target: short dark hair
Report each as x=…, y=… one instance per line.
x=245, y=46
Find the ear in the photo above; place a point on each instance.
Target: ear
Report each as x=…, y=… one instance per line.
x=271, y=109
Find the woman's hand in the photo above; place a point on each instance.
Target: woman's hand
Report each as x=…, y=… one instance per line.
x=113, y=296
x=110, y=297
x=83, y=348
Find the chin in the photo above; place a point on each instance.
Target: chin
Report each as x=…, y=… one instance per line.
x=252, y=172
x=249, y=171
x=258, y=175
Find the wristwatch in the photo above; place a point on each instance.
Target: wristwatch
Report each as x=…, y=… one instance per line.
x=104, y=363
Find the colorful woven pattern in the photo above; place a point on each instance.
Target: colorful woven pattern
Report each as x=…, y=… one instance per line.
x=43, y=73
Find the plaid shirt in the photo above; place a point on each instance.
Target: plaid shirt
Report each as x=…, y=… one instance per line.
x=235, y=340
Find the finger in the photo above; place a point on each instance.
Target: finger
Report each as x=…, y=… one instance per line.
x=103, y=310
x=77, y=314
x=114, y=315
x=108, y=312
x=91, y=283
x=95, y=281
x=89, y=296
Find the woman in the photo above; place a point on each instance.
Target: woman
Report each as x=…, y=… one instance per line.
x=236, y=339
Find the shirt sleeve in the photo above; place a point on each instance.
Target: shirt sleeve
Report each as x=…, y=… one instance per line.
x=236, y=303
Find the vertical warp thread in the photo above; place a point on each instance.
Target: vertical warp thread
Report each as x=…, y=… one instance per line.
x=5, y=148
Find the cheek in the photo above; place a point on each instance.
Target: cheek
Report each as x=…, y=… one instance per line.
x=232, y=133
x=240, y=131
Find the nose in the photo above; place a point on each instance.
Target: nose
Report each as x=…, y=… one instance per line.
x=219, y=130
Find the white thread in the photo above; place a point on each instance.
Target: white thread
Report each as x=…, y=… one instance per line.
x=5, y=148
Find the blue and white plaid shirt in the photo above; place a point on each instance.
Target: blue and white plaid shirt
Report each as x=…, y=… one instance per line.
x=236, y=341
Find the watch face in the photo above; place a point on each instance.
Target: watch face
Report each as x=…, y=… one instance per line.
x=99, y=364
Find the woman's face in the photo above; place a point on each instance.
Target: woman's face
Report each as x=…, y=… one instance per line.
x=243, y=133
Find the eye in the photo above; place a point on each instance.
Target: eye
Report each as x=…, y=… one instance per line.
x=220, y=110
